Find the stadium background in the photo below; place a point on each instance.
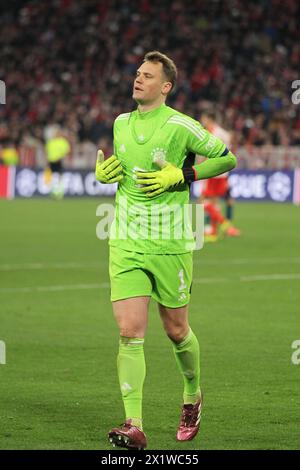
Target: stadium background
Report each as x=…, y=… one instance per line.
x=71, y=64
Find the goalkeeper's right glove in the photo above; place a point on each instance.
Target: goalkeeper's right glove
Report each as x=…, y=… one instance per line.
x=157, y=182
x=108, y=171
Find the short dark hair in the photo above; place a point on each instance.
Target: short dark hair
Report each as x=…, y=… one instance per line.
x=169, y=67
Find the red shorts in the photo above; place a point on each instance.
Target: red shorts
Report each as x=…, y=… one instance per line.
x=215, y=187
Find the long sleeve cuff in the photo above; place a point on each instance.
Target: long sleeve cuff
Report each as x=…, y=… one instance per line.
x=189, y=175
x=214, y=166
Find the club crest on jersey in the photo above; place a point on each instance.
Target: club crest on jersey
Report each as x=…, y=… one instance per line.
x=158, y=153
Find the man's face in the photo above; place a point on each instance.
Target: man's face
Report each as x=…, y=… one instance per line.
x=150, y=83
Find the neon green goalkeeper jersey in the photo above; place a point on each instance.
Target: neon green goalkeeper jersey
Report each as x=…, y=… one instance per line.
x=159, y=224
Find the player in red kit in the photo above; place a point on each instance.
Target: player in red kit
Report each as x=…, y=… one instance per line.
x=218, y=187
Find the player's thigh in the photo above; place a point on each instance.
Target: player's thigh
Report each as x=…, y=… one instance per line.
x=128, y=277
x=131, y=288
x=172, y=278
x=131, y=316
x=175, y=321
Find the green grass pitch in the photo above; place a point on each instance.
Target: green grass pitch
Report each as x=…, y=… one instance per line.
x=59, y=387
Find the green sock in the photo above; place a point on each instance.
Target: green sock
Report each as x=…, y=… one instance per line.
x=187, y=356
x=132, y=372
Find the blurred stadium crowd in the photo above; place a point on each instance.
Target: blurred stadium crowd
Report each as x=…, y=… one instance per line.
x=71, y=63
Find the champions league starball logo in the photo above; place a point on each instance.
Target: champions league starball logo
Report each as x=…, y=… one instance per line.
x=279, y=186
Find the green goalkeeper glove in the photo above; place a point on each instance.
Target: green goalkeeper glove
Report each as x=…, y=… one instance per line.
x=108, y=171
x=157, y=182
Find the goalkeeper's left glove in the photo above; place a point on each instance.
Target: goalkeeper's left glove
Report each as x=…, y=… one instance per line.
x=157, y=182
x=108, y=171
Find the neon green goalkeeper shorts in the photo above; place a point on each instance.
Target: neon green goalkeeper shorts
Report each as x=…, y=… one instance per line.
x=166, y=278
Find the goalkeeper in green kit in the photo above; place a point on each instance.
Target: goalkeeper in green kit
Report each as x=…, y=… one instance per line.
x=152, y=165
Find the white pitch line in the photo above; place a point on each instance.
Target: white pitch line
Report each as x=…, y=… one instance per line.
x=252, y=278
x=106, y=285
x=41, y=266
x=25, y=290
x=270, y=277
x=248, y=261
x=96, y=264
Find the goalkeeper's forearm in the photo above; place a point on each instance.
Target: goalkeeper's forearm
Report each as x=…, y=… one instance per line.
x=210, y=168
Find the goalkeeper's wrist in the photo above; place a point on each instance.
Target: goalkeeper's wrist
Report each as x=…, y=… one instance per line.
x=189, y=174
